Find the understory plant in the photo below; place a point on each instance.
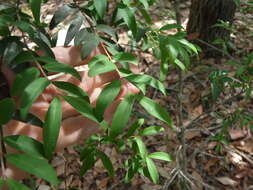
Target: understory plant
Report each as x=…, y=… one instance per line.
x=90, y=24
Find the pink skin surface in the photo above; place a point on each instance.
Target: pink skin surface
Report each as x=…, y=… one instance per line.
x=74, y=127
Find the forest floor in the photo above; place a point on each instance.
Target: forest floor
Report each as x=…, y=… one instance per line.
x=226, y=163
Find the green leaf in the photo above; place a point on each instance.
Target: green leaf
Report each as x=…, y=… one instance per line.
x=11, y=51
x=82, y=106
x=106, y=97
x=90, y=42
x=100, y=64
x=160, y=156
x=25, y=144
x=87, y=151
x=180, y=64
x=170, y=26
x=144, y=3
x=155, y=110
x=137, y=124
x=107, y=29
x=31, y=93
x=1, y=180
x=71, y=89
x=152, y=130
x=189, y=45
x=141, y=146
x=30, y=119
x=7, y=109
x=23, y=57
x=60, y=15
x=73, y=29
x=121, y=116
x=146, y=16
x=35, y=6
x=106, y=162
x=100, y=7
x=59, y=67
x=124, y=57
x=129, y=18
x=88, y=163
x=51, y=127
x=15, y=185
x=152, y=170
x=147, y=80
x=23, y=79
x=34, y=165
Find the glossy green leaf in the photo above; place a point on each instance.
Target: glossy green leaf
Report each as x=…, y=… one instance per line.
x=152, y=170
x=7, y=109
x=82, y=106
x=51, y=127
x=155, y=110
x=88, y=163
x=73, y=29
x=141, y=146
x=152, y=130
x=23, y=79
x=34, y=165
x=124, y=57
x=137, y=124
x=15, y=185
x=90, y=41
x=121, y=116
x=147, y=80
x=100, y=64
x=60, y=15
x=180, y=64
x=71, y=89
x=189, y=45
x=160, y=156
x=129, y=18
x=60, y=67
x=30, y=119
x=106, y=162
x=25, y=144
x=31, y=93
x=106, y=97
x=35, y=6
x=100, y=7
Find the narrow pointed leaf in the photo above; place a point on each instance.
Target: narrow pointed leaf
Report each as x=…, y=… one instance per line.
x=141, y=146
x=121, y=116
x=107, y=29
x=155, y=110
x=35, y=6
x=15, y=185
x=7, y=109
x=152, y=130
x=152, y=170
x=160, y=156
x=71, y=89
x=54, y=66
x=51, y=127
x=88, y=163
x=25, y=144
x=31, y=93
x=137, y=124
x=106, y=97
x=90, y=41
x=73, y=29
x=124, y=57
x=100, y=7
x=106, y=162
x=82, y=106
x=30, y=119
x=100, y=64
x=34, y=165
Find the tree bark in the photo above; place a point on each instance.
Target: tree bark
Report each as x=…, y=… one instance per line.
x=203, y=15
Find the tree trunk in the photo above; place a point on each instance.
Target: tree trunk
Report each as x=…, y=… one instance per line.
x=203, y=15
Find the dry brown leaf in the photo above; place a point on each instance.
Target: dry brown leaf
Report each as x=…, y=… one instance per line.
x=197, y=176
x=192, y=134
x=227, y=181
x=237, y=133
x=103, y=183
